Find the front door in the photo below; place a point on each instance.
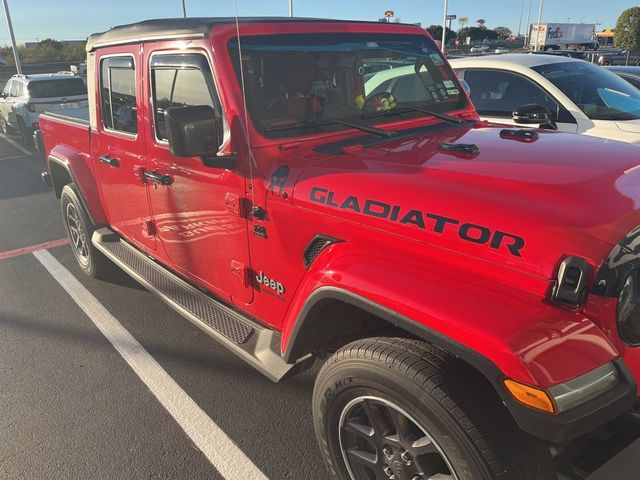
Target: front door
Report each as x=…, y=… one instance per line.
x=202, y=231
x=496, y=94
x=119, y=150
x=6, y=105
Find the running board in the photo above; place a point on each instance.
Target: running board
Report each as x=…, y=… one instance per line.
x=255, y=344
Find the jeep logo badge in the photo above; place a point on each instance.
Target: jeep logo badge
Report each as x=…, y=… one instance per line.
x=274, y=285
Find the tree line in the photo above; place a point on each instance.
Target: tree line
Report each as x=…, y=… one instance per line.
x=477, y=34
x=46, y=51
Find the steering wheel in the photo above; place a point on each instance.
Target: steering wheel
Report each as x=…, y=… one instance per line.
x=380, y=102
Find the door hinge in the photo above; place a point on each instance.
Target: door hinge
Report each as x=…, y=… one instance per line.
x=237, y=205
x=240, y=270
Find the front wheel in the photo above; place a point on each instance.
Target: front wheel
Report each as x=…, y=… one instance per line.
x=79, y=230
x=4, y=127
x=404, y=410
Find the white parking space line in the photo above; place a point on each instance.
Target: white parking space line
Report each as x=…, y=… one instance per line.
x=219, y=449
x=14, y=157
x=16, y=144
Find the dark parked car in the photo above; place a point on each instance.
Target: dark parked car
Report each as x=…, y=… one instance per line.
x=619, y=58
x=565, y=53
x=631, y=74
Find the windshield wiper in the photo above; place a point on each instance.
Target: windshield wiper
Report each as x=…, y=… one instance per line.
x=331, y=121
x=399, y=111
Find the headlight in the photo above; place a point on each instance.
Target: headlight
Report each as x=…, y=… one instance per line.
x=584, y=388
x=628, y=311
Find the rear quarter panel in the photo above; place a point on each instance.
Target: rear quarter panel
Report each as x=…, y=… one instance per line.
x=69, y=144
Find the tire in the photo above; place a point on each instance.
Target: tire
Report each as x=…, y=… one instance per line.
x=25, y=134
x=4, y=127
x=447, y=407
x=79, y=230
x=606, y=62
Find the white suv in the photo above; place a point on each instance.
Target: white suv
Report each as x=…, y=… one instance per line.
x=26, y=96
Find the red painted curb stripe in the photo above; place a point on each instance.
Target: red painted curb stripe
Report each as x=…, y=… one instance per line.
x=32, y=248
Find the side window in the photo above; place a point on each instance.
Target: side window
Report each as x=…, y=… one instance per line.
x=498, y=93
x=118, y=94
x=14, y=89
x=185, y=85
x=7, y=89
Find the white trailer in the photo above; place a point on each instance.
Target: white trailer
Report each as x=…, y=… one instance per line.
x=546, y=36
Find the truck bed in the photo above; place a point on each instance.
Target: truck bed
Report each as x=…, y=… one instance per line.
x=67, y=129
x=73, y=115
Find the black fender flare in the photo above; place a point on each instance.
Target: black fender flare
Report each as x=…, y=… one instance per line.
x=552, y=428
x=61, y=164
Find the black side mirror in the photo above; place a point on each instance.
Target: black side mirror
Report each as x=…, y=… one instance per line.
x=192, y=131
x=534, y=114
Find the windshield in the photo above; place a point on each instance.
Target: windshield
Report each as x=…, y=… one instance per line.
x=599, y=93
x=307, y=79
x=57, y=88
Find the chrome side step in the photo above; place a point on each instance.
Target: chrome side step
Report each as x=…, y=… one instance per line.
x=255, y=344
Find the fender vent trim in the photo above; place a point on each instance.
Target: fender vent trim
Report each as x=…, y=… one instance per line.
x=315, y=247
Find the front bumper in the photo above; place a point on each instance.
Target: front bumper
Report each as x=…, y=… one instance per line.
x=583, y=419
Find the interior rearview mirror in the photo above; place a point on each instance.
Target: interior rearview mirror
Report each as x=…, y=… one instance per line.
x=534, y=114
x=192, y=131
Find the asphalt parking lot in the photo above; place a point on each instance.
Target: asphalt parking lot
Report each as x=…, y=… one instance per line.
x=71, y=406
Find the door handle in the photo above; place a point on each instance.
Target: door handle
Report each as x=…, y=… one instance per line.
x=109, y=160
x=157, y=178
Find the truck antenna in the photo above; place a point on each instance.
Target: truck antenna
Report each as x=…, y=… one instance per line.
x=252, y=188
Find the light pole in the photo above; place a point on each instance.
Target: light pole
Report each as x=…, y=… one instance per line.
x=444, y=26
x=184, y=9
x=291, y=8
x=16, y=56
x=520, y=21
x=528, y=39
x=539, y=20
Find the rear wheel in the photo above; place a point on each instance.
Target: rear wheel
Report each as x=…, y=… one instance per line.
x=393, y=408
x=79, y=230
x=25, y=134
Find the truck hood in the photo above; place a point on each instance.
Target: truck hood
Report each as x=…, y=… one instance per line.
x=514, y=203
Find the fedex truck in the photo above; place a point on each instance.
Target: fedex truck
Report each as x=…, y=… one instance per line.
x=547, y=36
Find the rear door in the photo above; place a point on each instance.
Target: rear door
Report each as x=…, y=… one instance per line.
x=198, y=216
x=119, y=147
x=497, y=93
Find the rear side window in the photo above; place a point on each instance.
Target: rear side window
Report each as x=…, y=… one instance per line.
x=14, y=89
x=57, y=88
x=499, y=93
x=118, y=94
x=186, y=85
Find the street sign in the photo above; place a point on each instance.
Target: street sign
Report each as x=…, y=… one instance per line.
x=451, y=17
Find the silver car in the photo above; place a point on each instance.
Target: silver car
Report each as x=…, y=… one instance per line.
x=26, y=96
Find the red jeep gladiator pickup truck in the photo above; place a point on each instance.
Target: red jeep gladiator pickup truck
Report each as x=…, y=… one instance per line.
x=304, y=189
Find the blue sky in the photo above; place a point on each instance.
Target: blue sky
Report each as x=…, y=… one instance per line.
x=75, y=19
